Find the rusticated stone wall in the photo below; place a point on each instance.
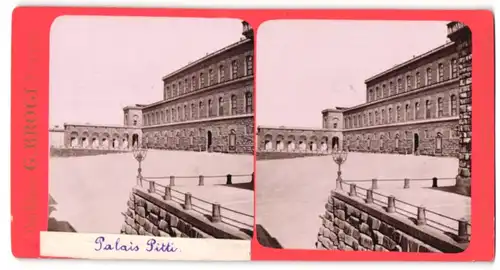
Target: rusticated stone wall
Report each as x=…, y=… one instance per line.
x=195, y=136
x=148, y=214
x=351, y=224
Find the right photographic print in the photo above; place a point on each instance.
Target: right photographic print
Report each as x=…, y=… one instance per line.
x=364, y=135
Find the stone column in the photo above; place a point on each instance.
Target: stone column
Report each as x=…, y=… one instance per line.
x=461, y=35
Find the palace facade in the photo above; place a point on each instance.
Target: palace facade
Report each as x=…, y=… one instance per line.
x=411, y=108
x=207, y=106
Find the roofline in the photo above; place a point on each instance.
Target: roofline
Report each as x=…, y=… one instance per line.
x=417, y=58
x=100, y=125
x=297, y=128
x=206, y=57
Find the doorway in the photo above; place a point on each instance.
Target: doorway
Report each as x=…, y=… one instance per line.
x=415, y=142
x=335, y=143
x=209, y=140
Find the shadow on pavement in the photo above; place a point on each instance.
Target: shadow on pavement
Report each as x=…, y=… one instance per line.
x=450, y=189
x=265, y=239
x=247, y=186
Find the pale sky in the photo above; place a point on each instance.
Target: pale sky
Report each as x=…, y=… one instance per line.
x=305, y=66
x=98, y=65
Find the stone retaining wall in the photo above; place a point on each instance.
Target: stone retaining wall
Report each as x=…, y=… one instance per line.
x=149, y=214
x=351, y=224
x=285, y=155
x=75, y=152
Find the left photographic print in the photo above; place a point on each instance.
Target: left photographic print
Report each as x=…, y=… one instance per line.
x=151, y=137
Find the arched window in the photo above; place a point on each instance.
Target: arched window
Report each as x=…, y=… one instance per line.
x=370, y=118
x=221, y=106
x=398, y=113
x=186, y=89
x=376, y=118
x=384, y=89
x=200, y=109
x=234, y=105
x=383, y=116
x=210, y=108
x=453, y=101
x=248, y=102
x=377, y=93
x=428, y=78
x=232, y=140
x=167, y=115
x=202, y=80
x=221, y=73
x=193, y=113
x=417, y=80
x=417, y=110
x=249, y=63
x=439, y=142
x=234, y=69
x=186, y=113
x=400, y=86
x=389, y=111
x=427, y=109
x=167, y=92
x=381, y=142
x=193, y=83
x=440, y=107
x=408, y=83
x=453, y=68
x=179, y=113
x=396, y=143
x=440, y=72
x=174, y=90
x=135, y=119
x=407, y=112
x=180, y=88
x=174, y=117
x=370, y=95
x=211, y=76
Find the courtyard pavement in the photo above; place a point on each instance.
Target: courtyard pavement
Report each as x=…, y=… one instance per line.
x=92, y=191
x=291, y=193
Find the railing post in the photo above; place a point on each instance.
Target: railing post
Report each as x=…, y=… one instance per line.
x=151, y=187
x=391, y=204
x=462, y=231
x=434, y=182
x=216, y=216
x=374, y=183
x=168, y=194
x=229, y=179
x=187, y=201
x=352, y=190
x=421, y=219
x=201, y=180
x=407, y=183
x=172, y=181
x=369, y=196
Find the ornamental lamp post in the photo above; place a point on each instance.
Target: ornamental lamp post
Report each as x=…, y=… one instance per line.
x=139, y=155
x=339, y=157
